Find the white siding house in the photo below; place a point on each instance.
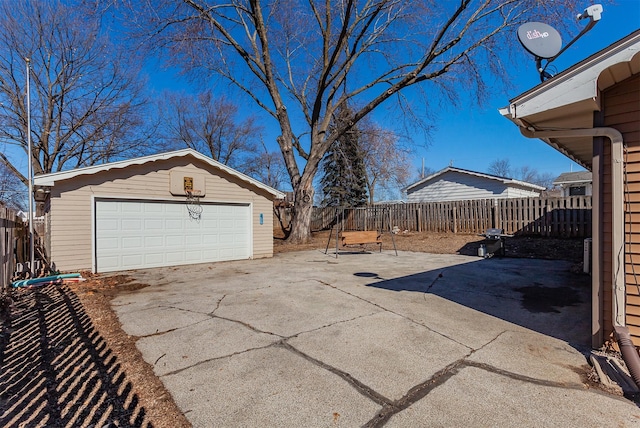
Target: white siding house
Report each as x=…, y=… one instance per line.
x=575, y=183
x=455, y=184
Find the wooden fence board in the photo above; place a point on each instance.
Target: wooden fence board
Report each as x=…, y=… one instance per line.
x=10, y=225
x=554, y=217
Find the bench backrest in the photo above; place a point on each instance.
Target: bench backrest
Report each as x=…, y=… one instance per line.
x=359, y=237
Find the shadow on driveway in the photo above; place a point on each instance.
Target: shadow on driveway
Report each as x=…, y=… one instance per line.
x=541, y=295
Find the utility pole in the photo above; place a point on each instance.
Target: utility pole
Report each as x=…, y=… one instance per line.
x=30, y=175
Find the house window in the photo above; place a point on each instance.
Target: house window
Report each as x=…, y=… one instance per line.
x=578, y=191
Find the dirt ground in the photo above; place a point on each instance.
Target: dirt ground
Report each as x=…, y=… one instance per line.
x=570, y=249
x=153, y=405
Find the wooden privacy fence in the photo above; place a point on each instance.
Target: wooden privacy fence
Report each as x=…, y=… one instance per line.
x=11, y=226
x=552, y=217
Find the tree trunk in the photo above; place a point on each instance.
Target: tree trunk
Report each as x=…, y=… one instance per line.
x=303, y=205
x=301, y=221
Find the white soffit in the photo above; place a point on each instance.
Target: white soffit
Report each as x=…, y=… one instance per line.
x=582, y=83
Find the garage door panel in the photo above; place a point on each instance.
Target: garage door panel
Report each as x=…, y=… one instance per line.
x=132, y=242
x=139, y=234
x=194, y=241
x=154, y=241
x=193, y=255
x=175, y=257
x=131, y=260
x=131, y=208
x=109, y=244
x=174, y=224
x=151, y=209
x=227, y=223
x=153, y=223
x=131, y=224
x=175, y=240
x=175, y=209
x=108, y=224
x=153, y=259
x=110, y=263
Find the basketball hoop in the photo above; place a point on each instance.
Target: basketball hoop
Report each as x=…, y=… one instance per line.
x=194, y=207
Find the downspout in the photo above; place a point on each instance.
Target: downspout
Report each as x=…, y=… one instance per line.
x=628, y=350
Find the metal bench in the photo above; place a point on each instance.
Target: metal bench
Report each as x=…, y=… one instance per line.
x=361, y=238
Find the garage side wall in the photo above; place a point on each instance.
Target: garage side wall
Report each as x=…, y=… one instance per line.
x=71, y=205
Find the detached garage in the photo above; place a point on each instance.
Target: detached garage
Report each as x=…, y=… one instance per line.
x=168, y=209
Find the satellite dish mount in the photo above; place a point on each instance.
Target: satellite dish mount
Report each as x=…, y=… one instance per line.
x=544, y=42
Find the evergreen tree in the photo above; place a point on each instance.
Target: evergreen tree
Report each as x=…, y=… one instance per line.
x=344, y=180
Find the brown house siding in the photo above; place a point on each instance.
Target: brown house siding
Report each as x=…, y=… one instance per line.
x=621, y=106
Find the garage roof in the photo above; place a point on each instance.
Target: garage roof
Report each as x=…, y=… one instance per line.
x=568, y=100
x=52, y=178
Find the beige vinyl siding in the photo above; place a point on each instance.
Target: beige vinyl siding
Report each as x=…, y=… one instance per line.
x=71, y=209
x=622, y=111
x=262, y=233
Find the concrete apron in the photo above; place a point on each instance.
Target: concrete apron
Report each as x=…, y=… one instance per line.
x=307, y=339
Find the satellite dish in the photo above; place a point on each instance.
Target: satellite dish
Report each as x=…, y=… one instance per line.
x=540, y=40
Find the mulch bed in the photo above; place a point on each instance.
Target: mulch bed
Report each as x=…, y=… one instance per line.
x=56, y=369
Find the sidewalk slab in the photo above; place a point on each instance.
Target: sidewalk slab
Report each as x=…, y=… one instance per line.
x=386, y=352
x=476, y=397
x=267, y=388
x=290, y=308
x=196, y=343
x=534, y=355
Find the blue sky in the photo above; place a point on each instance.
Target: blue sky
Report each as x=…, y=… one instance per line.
x=472, y=138
x=469, y=136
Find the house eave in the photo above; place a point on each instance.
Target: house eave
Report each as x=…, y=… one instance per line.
x=569, y=100
x=49, y=180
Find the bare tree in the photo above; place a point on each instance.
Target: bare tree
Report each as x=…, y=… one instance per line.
x=501, y=168
x=386, y=162
x=301, y=61
x=13, y=192
x=213, y=126
x=85, y=102
x=267, y=167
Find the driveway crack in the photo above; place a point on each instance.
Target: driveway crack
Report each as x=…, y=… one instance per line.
x=355, y=383
x=217, y=305
x=396, y=313
x=330, y=325
x=222, y=357
x=415, y=394
x=249, y=326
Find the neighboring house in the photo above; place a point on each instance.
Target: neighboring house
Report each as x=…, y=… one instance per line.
x=136, y=214
x=591, y=113
x=456, y=184
x=574, y=183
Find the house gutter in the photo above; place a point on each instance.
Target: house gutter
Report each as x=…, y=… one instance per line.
x=628, y=350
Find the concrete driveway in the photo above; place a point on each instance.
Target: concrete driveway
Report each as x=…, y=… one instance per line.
x=308, y=340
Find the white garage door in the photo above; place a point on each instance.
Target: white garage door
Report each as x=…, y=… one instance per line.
x=142, y=234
